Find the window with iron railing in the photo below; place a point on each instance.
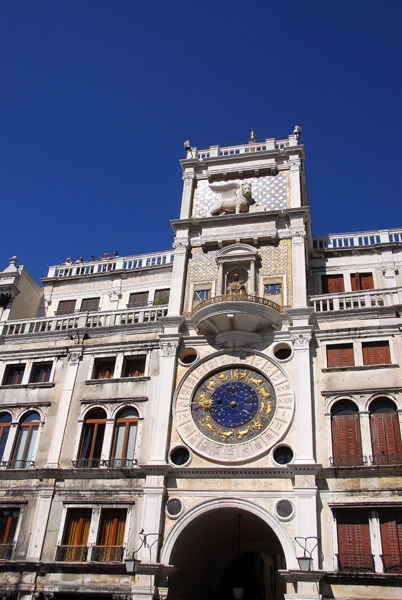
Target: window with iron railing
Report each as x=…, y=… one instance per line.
x=8, y=525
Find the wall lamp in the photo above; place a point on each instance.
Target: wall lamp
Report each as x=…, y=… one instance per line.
x=133, y=564
x=306, y=561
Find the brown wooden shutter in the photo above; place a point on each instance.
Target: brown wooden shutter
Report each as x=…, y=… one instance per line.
x=385, y=437
x=376, y=353
x=161, y=294
x=354, y=539
x=391, y=537
x=340, y=355
x=90, y=304
x=367, y=282
x=355, y=282
x=66, y=306
x=332, y=284
x=346, y=440
x=138, y=299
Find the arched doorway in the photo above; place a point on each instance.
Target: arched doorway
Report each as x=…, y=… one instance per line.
x=211, y=562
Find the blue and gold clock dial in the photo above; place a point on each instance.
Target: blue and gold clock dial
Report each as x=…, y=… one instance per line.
x=233, y=405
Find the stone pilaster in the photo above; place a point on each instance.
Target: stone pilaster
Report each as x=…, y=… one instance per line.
x=299, y=266
x=73, y=357
x=181, y=247
x=189, y=180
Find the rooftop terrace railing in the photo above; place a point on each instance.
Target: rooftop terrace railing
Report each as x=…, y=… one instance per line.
x=111, y=264
x=357, y=240
x=92, y=320
x=267, y=144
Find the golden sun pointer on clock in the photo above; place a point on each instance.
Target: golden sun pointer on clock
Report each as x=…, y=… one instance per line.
x=204, y=402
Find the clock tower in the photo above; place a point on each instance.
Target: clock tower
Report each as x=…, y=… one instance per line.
x=238, y=316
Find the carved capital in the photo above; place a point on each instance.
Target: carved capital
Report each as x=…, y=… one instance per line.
x=294, y=165
x=169, y=348
x=301, y=340
x=113, y=295
x=74, y=356
x=390, y=271
x=188, y=177
x=180, y=245
x=298, y=234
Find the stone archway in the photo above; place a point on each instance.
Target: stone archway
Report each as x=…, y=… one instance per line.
x=204, y=547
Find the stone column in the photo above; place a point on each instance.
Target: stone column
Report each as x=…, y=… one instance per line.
x=154, y=491
x=365, y=434
x=187, y=197
x=219, y=285
x=107, y=439
x=295, y=187
x=43, y=506
x=252, y=282
x=73, y=357
x=180, y=246
x=299, y=266
x=301, y=337
x=163, y=402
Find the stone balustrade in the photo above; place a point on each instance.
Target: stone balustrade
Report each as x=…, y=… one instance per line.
x=111, y=264
x=130, y=316
x=268, y=144
x=357, y=240
x=356, y=300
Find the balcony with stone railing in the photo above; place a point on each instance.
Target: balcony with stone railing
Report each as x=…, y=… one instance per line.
x=230, y=313
x=107, y=265
x=248, y=148
x=365, y=299
x=362, y=239
x=89, y=320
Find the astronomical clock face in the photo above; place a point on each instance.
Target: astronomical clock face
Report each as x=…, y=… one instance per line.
x=233, y=412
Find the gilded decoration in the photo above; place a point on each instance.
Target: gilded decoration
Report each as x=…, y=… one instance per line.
x=270, y=192
x=233, y=407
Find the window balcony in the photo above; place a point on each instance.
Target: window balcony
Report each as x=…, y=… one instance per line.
x=356, y=562
x=392, y=563
x=71, y=553
x=392, y=458
x=352, y=460
x=241, y=312
x=107, y=553
x=17, y=464
x=365, y=299
x=6, y=551
x=97, y=463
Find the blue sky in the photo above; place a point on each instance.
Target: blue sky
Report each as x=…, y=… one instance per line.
x=97, y=94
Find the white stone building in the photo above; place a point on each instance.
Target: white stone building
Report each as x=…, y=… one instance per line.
x=221, y=409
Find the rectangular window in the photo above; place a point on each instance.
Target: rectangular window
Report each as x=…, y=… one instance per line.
x=90, y=304
x=376, y=353
x=273, y=289
x=161, y=297
x=340, y=355
x=354, y=541
x=332, y=284
x=138, y=299
x=75, y=538
x=134, y=366
x=111, y=536
x=13, y=374
x=8, y=525
x=104, y=368
x=391, y=538
x=362, y=281
x=66, y=307
x=41, y=372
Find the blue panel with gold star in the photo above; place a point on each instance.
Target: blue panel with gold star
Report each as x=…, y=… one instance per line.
x=233, y=405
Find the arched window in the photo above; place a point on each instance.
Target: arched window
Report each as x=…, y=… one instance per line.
x=385, y=432
x=346, y=438
x=26, y=441
x=92, y=439
x=124, y=438
x=5, y=423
